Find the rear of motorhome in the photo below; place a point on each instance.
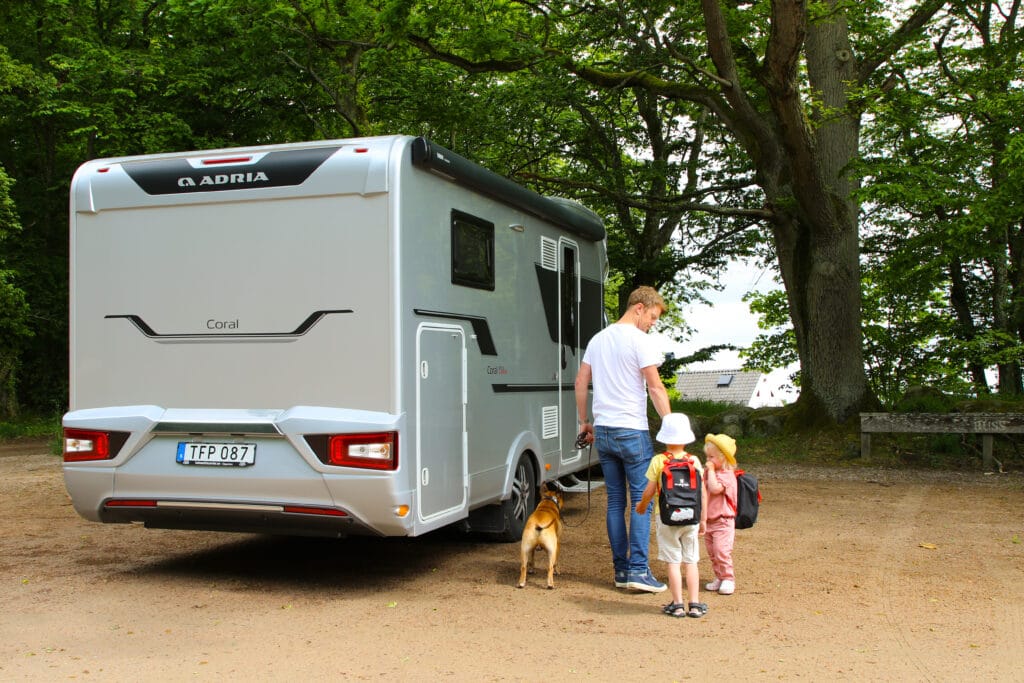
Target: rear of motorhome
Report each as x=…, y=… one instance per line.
x=363, y=336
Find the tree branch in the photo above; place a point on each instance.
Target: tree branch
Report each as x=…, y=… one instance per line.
x=898, y=39
x=467, y=65
x=659, y=206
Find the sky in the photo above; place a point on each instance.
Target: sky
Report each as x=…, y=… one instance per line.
x=728, y=320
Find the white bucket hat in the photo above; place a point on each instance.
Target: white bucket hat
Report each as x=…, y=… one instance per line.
x=675, y=430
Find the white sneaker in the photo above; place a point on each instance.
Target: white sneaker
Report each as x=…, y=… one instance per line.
x=713, y=585
x=727, y=587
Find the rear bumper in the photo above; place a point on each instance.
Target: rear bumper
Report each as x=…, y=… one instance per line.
x=262, y=519
x=287, y=490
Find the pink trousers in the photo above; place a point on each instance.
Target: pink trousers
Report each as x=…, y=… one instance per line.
x=718, y=539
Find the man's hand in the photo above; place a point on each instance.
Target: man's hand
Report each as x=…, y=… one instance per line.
x=586, y=435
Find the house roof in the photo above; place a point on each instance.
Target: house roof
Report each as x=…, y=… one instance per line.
x=723, y=386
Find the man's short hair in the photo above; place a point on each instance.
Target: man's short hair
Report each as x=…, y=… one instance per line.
x=648, y=296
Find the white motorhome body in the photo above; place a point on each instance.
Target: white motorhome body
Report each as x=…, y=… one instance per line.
x=370, y=335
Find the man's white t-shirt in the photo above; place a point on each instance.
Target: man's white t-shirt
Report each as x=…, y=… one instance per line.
x=616, y=355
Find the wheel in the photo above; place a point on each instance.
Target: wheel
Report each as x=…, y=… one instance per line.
x=521, y=503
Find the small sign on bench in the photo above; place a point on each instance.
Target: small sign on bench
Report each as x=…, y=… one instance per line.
x=985, y=424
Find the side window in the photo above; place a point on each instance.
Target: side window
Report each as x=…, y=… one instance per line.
x=472, y=251
x=570, y=311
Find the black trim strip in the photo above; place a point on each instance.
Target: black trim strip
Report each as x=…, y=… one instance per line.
x=529, y=388
x=480, y=328
x=573, y=217
x=302, y=329
x=241, y=428
x=281, y=168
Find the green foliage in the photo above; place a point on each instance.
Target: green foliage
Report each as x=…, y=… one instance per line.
x=776, y=347
x=924, y=399
x=14, y=310
x=944, y=244
x=619, y=106
x=30, y=427
x=696, y=407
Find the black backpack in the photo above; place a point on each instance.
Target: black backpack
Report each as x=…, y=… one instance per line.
x=748, y=499
x=680, y=497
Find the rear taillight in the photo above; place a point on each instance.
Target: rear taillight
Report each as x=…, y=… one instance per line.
x=92, y=444
x=378, y=451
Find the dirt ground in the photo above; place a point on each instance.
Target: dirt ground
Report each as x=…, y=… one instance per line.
x=866, y=575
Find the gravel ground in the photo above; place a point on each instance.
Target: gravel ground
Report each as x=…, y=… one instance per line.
x=858, y=574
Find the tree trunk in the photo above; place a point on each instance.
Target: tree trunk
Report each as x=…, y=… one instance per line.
x=801, y=169
x=819, y=269
x=959, y=301
x=831, y=273
x=1005, y=306
x=8, y=378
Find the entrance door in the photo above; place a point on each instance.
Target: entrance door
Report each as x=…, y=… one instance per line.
x=568, y=345
x=441, y=464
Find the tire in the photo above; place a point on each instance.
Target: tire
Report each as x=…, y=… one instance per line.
x=521, y=503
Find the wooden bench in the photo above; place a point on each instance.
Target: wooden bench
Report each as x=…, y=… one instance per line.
x=985, y=424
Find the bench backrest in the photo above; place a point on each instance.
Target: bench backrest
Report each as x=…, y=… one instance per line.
x=943, y=423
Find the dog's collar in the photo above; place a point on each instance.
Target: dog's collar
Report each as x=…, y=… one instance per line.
x=553, y=499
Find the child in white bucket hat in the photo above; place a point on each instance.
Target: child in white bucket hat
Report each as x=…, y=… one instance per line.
x=678, y=546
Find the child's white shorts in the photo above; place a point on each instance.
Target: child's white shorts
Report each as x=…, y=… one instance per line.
x=678, y=544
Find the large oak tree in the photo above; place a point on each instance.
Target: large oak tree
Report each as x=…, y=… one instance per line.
x=789, y=80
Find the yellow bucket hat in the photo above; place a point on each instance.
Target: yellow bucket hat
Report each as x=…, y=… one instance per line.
x=724, y=443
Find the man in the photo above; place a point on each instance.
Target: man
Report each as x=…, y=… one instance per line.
x=622, y=362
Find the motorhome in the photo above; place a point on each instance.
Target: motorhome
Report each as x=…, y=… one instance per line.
x=360, y=336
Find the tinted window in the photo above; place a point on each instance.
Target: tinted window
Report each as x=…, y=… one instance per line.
x=472, y=251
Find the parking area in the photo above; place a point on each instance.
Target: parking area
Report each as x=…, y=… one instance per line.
x=849, y=574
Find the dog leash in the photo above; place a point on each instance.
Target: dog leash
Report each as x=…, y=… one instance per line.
x=581, y=442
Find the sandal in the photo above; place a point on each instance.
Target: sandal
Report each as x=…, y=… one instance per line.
x=679, y=612
x=697, y=609
x=672, y=607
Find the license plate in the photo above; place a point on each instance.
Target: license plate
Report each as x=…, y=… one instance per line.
x=206, y=453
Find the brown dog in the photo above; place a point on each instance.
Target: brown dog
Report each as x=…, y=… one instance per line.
x=543, y=529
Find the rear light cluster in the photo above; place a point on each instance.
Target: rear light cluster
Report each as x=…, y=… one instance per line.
x=91, y=444
x=374, y=451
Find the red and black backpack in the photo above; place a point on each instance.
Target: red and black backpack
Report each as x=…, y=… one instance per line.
x=680, y=498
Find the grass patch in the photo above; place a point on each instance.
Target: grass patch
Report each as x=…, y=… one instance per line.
x=30, y=427
x=834, y=446
x=704, y=408
x=34, y=427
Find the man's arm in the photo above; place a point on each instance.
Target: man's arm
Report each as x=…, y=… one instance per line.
x=582, y=393
x=656, y=389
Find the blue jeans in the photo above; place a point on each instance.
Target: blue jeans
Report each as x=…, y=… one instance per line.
x=625, y=455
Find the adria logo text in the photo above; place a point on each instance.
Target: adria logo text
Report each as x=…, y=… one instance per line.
x=250, y=178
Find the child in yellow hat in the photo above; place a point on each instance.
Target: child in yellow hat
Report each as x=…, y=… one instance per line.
x=720, y=534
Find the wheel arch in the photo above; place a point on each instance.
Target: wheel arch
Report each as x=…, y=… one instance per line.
x=526, y=444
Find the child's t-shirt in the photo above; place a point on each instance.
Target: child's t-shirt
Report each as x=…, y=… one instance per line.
x=723, y=504
x=658, y=462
